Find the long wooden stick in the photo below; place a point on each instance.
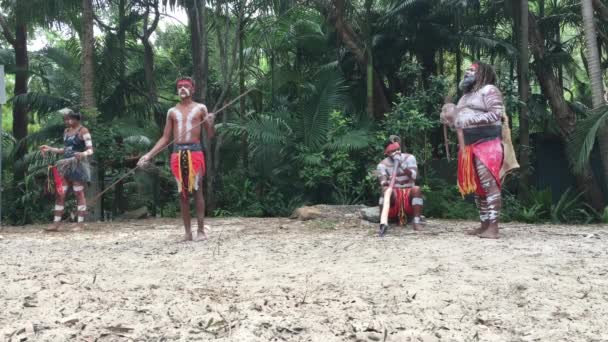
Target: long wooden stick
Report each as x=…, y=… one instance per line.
x=446, y=142
x=386, y=202
x=94, y=200
x=460, y=134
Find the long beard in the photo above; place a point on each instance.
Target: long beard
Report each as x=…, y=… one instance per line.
x=467, y=83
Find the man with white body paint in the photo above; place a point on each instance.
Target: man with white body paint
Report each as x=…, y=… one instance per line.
x=184, y=123
x=73, y=170
x=406, y=197
x=478, y=114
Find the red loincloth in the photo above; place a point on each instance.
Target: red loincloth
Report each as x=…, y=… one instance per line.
x=186, y=166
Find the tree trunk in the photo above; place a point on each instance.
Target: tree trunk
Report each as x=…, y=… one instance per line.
x=458, y=68
x=148, y=29
x=354, y=45
x=369, y=71
x=199, y=44
x=149, y=71
x=121, y=37
x=243, y=110
x=20, y=112
x=593, y=58
x=369, y=68
x=429, y=66
x=595, y=75
x=564, y=116
x=88, y=101
x=524, y=94
x=87, y=71
x=198, y=40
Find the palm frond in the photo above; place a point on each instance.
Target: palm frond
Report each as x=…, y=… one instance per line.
x=7, y=140
x=478, y=40
x=47, y=133
x=354, y=140
x=399, y=8
x=7, y=58
x=138, y=140
x=311, y=159
x=583, y=138
x=330, y=66
x=41, y=103
x=266, y=129
x=64, y=58
x=34, y=162
x=329, y=91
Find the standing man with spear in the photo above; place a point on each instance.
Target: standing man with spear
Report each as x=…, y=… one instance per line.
x=184, y=123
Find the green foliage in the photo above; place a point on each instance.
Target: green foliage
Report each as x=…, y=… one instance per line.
x=540, y=208
x=301, y=136
x=570, y=209
x=584, y=137
x=414, y=118
x=442, y=200
x=604, y=217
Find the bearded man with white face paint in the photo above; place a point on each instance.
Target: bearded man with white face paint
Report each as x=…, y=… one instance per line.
x=478, y=114
x=184, y=123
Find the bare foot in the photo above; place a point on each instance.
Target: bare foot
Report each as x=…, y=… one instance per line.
x=51, y=228
x=475, y=231
x=77, y=228
x=417, y=227
x=188, y=237
x=490, y=233
x=201, y=234
x=482, y=228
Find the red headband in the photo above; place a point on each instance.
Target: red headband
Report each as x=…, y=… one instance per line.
x=185, y=81
x=391, y=148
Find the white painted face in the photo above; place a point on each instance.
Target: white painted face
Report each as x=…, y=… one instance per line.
x=184, y=90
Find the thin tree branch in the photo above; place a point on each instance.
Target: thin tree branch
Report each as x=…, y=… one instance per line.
x=6, y=30
x=103, y=25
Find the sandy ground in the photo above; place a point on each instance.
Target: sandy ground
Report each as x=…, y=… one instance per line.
x=319, y=280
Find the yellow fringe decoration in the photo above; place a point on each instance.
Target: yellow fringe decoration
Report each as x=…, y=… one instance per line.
x=49, y=179
x=466, y=172
x=179, y=172
x=190, y=173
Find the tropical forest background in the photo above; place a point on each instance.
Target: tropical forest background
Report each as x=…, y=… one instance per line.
x=328, y=81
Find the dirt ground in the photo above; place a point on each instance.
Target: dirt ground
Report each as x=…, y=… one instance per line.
x=318, y=280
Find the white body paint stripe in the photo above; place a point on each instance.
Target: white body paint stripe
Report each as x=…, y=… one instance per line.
x=189, y=119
